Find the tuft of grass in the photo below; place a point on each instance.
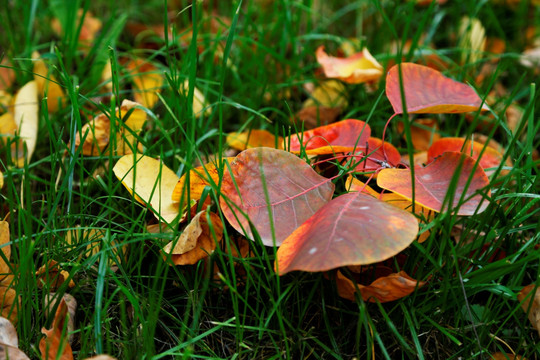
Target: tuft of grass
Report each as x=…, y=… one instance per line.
x=253, y=73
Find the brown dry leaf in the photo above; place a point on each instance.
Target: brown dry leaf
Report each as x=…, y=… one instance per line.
x=533, y=310
x=9, y=342
x=197, y=240
x=8, y=296
x=424, y=132
x=199, y=106
x=47, y=84
x=93, y=237
x=89, y=28
x=330, y=94
x=355, y=69
x=53, y=276
x=26, y=115
x=152, y=183
x=5, y=268
x=472, y=40
x=506, y=356
x=147, y=81
x=7, y=75
x=315, y=116
x=254, y=138
x=513, y=117
x=55, y=345
x=50, y=302
x=99, y=131
x=384, y=289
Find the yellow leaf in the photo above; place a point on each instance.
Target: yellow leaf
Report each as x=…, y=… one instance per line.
x=472, y=39
x=331, y=94
x=197, y=240
x=47, y=84
x=254, y=138
x=26, y=118
x=5, y=268
x=147, y=82
x=199, y=101
x=151, y=181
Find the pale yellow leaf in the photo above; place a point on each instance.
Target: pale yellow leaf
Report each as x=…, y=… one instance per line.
x=199, y=101
x=147, y=81
x=27, y=119
x=151, y=181
x=331, y=93
x=47, y=84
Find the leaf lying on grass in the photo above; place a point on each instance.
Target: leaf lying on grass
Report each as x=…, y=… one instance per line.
x=254, y=138
x=55, y=344
x=151, y=182
x=26, y=116
x=264, y=183
x=530, y=303
x=355, y=69
x=9, y=342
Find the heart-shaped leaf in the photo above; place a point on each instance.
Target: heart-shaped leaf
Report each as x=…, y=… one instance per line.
x=273, y=189
x=343, y=136
x=352, y=229
x=433, y=181
x=429, y=91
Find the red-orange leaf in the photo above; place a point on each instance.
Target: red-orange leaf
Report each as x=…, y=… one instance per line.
x=352, y=229
x=342, y=136
x=429, y=91
x=376, y=156
x=433, y=181
x=357, y=68
x=491, y=158
x=295, y=192
x=384, y=289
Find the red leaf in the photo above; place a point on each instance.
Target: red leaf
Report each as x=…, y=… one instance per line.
x=429, y=91
x=376, y=155
x=352, y=229
x=491, y=158
x=295, y=192
x=342, y=136
x=432, y=183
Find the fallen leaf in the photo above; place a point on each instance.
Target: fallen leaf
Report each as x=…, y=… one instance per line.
x=406, y=204
x=433, y=181
x=199, y=106
x=9, y=301
x=93, y=239
x=88, y=29
x=342, y=136
x=151, y=182
x=7, y=74
x=506, y=356
x=353, y=184
x=472, y=40
x=428, y=91
x=55, y=345
x=491, y=158
x=525, y=297
x=47, y=84
x=26, y=117
x=197, y=240
x=98, y=131
x=330, y=94
x=272, y=189
x=254, y=138
x=530, y=58
x=373, y=158
x=352, y=229
x=52, y=276
x=384, y=289
x=101, y=357
x=9, y=342
x=50, y=301
x=355, y=69
x=424, y=132
x=147, y=81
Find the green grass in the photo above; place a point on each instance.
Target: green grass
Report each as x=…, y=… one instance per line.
x=147, y=309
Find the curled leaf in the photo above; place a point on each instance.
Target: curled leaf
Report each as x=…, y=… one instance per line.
x=272, y=189
x=55, y=344
x=71, y=303
x=433, y=181
x=384, y=289
x=151, y=182
x=343, y=136
x=428, y=91
x=352, y=229
x=355, y=69
x=26, y=117
x=53, y=276
x=198, y=239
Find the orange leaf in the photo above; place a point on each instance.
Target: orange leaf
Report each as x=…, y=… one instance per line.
x=274, y=190
x=384, y=289
x=52, y=275
x=7, y=74
x=433, y=181
x=429, y=91
x=197, y=240
x=314, y=116
x=376, y=156
x=491, y=158
x=353, y=184
x=406, y=204
x=357, y=68
x=254, y=138
x=352, y=229
x=506, y=356
x=532, y=310
x=47, y=84
x=423, y=133
x=55, y=344
x=343, y=136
